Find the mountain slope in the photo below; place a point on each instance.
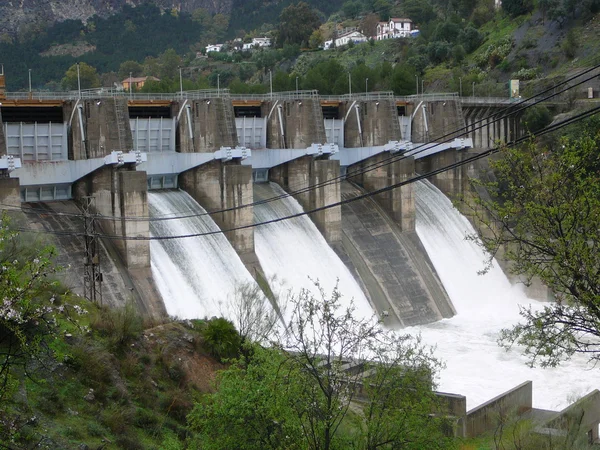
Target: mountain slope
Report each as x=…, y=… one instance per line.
x=16, y=14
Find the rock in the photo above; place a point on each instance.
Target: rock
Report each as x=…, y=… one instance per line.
x=90, y=397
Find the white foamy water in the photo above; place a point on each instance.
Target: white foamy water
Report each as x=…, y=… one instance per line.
x=475, y=365
x=294, y=251
x=196, y=276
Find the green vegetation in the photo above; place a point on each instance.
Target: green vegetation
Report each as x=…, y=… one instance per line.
x=547, y=217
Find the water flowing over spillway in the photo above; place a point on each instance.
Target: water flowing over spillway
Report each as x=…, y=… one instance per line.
x=294, y=251
x=475, y=365
x=197, y=277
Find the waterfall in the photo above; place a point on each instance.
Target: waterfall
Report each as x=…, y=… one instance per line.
x=197, y=277
x=294, y=251
x=476, y=366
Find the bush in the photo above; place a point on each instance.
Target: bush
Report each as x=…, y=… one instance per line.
x=221, y=339
x=119, y=325
x=536, y=118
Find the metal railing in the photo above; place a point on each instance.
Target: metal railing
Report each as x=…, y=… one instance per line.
x=90, y=94
x=439, y=97
x=284, y=95
x=364, y=96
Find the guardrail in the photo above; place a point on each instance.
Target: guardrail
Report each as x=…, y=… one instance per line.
x=284, y=95
x=90, y=94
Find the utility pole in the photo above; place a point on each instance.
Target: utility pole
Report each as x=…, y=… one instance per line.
x=92, y=277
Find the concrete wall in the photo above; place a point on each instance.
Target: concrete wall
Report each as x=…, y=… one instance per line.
x=9, y=191
x=444, y=118
x=452, y=182
x=218, y=186
x=398, y=202
x=120, y=193
x=103, y=120
x=582, y=417
x=213, y=125
x=484, y=418
x=486, y=126
x=302, y=123
x=305, y=172
x=378, y=123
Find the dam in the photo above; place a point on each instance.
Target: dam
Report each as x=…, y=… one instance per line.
x=219, y=166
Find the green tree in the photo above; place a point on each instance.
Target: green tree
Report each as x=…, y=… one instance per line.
x=403, y=80
x=29, y=309
x=298, y=395
x=547, y=218
x=169, y=62
x=87, y=75
x=130, y=67
x=516, y=8
x=352, y=8
x=316, y=39
x=296, y=23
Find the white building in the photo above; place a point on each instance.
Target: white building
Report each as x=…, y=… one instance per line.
x=214, y=48
x=394, y=28
x=355, y=36
x=262, y=42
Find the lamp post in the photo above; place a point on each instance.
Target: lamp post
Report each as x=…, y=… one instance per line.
x=350, y=84
x=79, y=81
x=130, y=83
x=271, y=82
x=218, y=84
x=366, y=85
x=473, y=89
x=460, y=87
x=296, y=85
x=180, y=83
x=417, y=81
x=29, y=83
x=422, y=89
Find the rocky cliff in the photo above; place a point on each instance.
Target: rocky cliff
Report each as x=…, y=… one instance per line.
x=15, y=14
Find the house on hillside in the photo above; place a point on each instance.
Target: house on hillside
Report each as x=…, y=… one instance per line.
x=394, y=28
x=214, y=48
x=344, y=38
x=262, y=42
x=136, y=82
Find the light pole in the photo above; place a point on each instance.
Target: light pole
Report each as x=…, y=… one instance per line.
x=130, y=82
x=349, y=84
x=417, y=81
x=422, y=89
x=473, y=89
x=271, y=82
x=218, y=84
x=296, y=85
x=180, y=83
x=79, y=81
x=366, y=85
x=29, y=83
x=460, y=87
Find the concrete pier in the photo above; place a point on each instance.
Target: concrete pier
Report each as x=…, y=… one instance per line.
x=294, y=123
x=9, y=192
x=398, y=202
x=370, y=123
x=105, y=127
x=212, y=127
x=121, y=193
x=305, y=172
x=452, y=182
x=218, y=186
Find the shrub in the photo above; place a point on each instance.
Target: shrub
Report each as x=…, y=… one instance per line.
x=221, y=339
x=119, y=325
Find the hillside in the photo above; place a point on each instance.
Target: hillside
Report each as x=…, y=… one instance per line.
x=16, y=16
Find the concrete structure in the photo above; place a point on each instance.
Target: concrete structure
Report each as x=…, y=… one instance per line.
x=206, y=125
x=219, y=186
x=120, y=193
x=304, y=173
x=377, y=173
x=370, y=123
x=294, y=123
